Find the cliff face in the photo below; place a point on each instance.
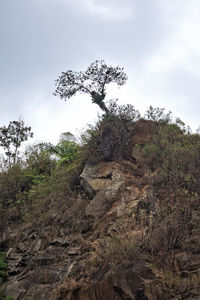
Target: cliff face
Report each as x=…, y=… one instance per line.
x=49, y=262
x=96, y=244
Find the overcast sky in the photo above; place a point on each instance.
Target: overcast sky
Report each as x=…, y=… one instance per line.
x=156, y=41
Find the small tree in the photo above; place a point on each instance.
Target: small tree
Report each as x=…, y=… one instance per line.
x=11, y=138
x=67, y=150
x=93, y=82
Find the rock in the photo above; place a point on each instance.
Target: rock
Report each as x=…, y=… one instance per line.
x=127, y=283
x=181, y=260
x=59, y=241
x=105, y=179
x=44, y=259
x=16, y=292
x=99, y=205
x=40, y=293
x=192, y=268
x=74, y=251
x=96, y=247
x=103, y=290
x=97, y=177
x=130, y=278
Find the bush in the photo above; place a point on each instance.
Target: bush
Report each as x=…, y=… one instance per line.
x=39, y=161
x=13, y=186
x=3, y=266
x=66, y=151
x=2, y=293
x=110, y=138
x=172, y=156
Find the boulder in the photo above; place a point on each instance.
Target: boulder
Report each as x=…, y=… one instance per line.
x=106, y=180
x=97, y=177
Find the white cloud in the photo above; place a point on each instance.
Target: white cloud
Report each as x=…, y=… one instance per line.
x=181, y=45
x=169, y=77
x=117, y=10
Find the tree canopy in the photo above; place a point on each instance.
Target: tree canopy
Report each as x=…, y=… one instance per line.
x=93, y=81
x=11, y=138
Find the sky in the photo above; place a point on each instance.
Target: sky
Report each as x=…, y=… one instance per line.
x=156, y=41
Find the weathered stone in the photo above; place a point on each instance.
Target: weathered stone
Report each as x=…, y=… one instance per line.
x=97, y=177
x=74, y=251
x=103, y=290
x=106, y=192
x=44, y=259
x=98, y=205
x=59, y=241
x=192, y=267
x=14, y=290
x=129, y=277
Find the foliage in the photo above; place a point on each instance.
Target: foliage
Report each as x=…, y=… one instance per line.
x=13, y=185
x=157, y=114
x=2, y=293
x=165, y=152
x=67, y=151
x=93, y=82
x=39, y=161
x=172, y=156
x=110, y=138
x=67, y=136
x=3, y=266
x=19, y=182
x=57, y=190
x=11, y=138
x=27, y=182
x=122, y=113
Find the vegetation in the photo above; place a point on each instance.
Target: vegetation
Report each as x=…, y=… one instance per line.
x=172, y=156
x=166, y=153
x=3, y=270
x=110, y=138
x=93, y=82
x=11, y=298
x=35, y=176
x=11, y=138
x=66, y=151
x=3, y=266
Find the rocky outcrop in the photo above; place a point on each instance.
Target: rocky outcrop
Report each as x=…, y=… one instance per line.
x=111, y=182
x=35, y=269
x=90, y=249
x=43, y=257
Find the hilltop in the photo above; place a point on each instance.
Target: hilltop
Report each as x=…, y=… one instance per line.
x=117, y=217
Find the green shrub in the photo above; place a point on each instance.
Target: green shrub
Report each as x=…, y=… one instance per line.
x=66, y=151
x=19, y=182
x=39, y=160
x=110, y=138
x=172, y=156
x=2, y=293
x=3, y=266
x=13, y=183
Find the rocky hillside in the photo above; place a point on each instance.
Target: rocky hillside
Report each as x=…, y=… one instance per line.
x=121, y=223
